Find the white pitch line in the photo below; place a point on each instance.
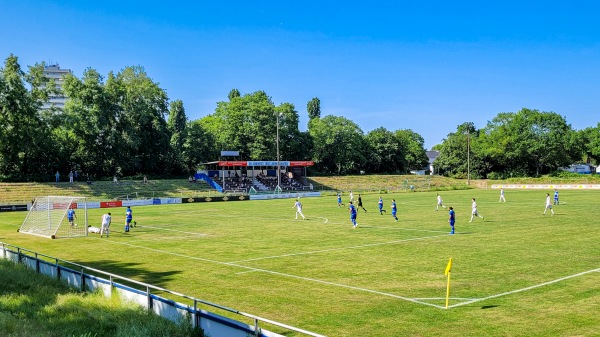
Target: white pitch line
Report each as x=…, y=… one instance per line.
x=338, y=249
x=326, y=220
x=172, y=230
x=525, y=289
x=406, y=229
x=280, y=274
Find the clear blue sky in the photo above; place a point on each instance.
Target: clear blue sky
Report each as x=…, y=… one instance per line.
x=421, y=65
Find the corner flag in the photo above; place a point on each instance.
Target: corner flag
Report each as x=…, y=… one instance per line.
x=448, y=267
x=447, y=273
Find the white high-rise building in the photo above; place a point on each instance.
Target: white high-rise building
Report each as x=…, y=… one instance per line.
x=57, y=100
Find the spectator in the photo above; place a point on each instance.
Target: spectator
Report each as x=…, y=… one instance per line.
x=71, y=177
x=89, y=181
x=115, y=180
x=190, y=180
x=57, y=175
x=145, y=180
x=76, y=175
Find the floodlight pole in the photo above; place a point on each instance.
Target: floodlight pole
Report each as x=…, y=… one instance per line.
x=468, y=157
x=277, y=141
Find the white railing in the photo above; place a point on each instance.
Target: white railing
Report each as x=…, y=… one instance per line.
x=75, y=275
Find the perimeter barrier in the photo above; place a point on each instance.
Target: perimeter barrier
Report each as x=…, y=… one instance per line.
x=146, y=295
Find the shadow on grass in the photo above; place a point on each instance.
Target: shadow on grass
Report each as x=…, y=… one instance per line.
x=130, y=270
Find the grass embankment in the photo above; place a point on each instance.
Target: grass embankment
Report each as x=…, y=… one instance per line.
x=387, y=183
x=104, y=190
x=36, y=305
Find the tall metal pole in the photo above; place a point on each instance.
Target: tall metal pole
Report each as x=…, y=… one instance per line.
x=468, y=157
x=277, y=141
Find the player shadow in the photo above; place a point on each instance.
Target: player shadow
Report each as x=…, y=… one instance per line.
x=129, y=270
x=489, y=306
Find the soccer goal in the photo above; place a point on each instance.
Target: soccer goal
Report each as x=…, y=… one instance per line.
x=57, y=217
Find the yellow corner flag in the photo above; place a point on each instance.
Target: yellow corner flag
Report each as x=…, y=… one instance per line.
x=447, y=273
x=448, y=267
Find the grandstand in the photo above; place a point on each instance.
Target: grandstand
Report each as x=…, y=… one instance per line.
x=241, y=176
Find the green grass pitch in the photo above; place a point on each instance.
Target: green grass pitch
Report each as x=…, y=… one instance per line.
x=516, y=273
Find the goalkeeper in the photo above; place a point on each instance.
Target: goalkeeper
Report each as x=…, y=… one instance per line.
x=71, y=216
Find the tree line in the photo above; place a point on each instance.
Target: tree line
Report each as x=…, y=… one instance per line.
x=124, y=124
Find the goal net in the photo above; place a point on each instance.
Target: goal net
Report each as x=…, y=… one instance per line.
x=57, y=217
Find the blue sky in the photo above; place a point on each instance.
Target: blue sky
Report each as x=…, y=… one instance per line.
x=425, y=66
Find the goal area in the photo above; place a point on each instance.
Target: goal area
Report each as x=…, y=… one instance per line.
x=57, y=217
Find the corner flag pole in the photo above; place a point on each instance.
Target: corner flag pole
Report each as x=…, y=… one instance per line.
x=447, y=273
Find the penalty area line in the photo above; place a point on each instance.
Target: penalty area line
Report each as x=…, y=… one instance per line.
x=525, y=289
x=172, y=230
x=338, y=249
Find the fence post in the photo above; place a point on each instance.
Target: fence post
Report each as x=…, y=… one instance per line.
x=149, y=298
x=3, y=251
x=196, y=316
x=57, y=269
x=82, y=280
x=37, y=263
x=256, y=331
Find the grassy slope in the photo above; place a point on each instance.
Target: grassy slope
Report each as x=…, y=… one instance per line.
x=323, y=284
x=35, y=305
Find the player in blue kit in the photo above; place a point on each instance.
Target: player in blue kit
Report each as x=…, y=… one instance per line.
x=555, y=196
x=451, y=219
x=394, y=209
x=380, y=205
x=128, y=218
x=71, y=216
x=340, y=204
x=352, y=210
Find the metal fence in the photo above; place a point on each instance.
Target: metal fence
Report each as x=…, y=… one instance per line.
x=91, y=279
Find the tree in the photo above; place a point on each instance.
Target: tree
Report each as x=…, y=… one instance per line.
x=144, y=144
x=458, y=155
x=197, y=147
x=589, y=140
x=339, y=145
x=234, y=93
x=177, y=124
x=89, y=119
x=314, y=108
x=386, y=152
x=24, y=139
x=413, y=147
x=249, y=124
x=529, y=141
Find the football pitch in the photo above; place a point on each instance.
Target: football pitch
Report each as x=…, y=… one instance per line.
x=516, y=273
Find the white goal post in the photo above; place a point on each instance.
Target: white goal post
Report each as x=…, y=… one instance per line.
x=49, y=217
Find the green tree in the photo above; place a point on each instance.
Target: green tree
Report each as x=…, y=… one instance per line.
x=589, y=140
x=413, y=147
x=314, y=108
x=457, y=153
x=248, y=124
x=90, y=119
x=198, y=147
x=529, y=141
x=386, y=152
x=339, y=145
x=177, y=124
x=24, y=138
x=144, y=135
x=234, y=93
